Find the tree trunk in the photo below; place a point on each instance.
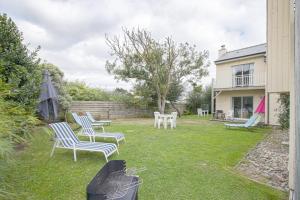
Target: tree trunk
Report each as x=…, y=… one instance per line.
x=173, y=105
x=163, y=105
x=159, y=102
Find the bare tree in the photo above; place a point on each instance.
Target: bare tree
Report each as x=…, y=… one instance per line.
x=137, y=56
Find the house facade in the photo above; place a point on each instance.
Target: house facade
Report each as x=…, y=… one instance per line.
x=241, y=79
x=281, y=70
x=244, y=76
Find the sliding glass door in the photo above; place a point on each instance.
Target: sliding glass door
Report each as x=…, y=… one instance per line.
x=242, y=106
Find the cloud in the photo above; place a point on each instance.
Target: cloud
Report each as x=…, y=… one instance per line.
x=72, y=32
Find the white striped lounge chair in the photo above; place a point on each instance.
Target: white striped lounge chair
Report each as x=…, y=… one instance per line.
x=66, y=139
x=76, y=118
x=87, y=130
x=99, y=122
x=251, y=122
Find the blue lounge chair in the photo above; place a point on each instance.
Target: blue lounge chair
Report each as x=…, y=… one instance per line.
x=66, y=139
x=87, y=130
x=251, y=122
x=97, y=123
x=76, y=118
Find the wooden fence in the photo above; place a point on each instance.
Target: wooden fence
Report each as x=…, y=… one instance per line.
x=113, y=110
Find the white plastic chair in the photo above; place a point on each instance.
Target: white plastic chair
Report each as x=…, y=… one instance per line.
x=173, y=120
x=229, y=115
x=199, y=111
x=156, y=119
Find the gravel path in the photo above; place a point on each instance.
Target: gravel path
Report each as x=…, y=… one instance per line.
x=268, y=161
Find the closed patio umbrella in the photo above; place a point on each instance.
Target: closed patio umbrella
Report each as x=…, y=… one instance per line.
x=48, y=106
x=261, y=106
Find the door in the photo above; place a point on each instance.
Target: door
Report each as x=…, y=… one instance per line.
x=237, y=106
x=247, y=107
x=242, y=107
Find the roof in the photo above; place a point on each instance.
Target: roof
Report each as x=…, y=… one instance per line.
x=248, y=51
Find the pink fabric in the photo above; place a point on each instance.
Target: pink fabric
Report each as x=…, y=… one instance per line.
x=261, y=106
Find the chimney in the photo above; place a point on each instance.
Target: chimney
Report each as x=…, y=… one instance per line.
x=222, y=51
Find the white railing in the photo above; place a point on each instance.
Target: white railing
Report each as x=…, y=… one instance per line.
x=242, y=80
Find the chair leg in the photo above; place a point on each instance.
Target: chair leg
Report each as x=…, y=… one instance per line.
x=106, y=158
x=75, y=157
x=53, y=149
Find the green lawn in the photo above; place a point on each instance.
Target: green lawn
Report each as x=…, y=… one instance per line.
x=192, y=162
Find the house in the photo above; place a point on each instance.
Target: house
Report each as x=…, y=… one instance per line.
x=240, y=80
x=281, y=69
x=243, y=76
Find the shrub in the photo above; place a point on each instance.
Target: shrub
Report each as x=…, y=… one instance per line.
x=18, y=65
x=79, y=91
x=199, y=98
x=20, y=79
x=284, y=111
x=15, y=125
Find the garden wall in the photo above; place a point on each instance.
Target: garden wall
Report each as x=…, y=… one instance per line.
x=113, y=110
x=108, y=109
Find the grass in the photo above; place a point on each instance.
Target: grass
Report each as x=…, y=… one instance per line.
x=195, y=161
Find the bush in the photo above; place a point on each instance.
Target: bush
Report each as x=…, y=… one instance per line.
x=15, y=125
x=79, y=91
x=20, y=79
x=284, y=111
x=18, y=65
x=199, y=98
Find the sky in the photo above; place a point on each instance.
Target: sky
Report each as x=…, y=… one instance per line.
x=71, y=33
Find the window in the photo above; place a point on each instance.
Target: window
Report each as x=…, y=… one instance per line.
x=242, y=75
x=244, y=69
x=242, y=106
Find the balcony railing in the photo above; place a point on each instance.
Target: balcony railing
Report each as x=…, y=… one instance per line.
x=242, y=80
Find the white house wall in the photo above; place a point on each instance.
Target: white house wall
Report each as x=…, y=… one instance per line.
x=224, y=99
x=224, y=71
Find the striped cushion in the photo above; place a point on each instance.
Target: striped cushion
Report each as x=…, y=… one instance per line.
x=87, y=126
x=118, y=136
x=65, y=134
x=76, y=118
x=88, y=130
x=236, y=125
x=106, y=148
x=95, y=122
x=90, y=117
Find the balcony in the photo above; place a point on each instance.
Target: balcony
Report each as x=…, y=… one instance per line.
x=242, y=80
x=227, y=81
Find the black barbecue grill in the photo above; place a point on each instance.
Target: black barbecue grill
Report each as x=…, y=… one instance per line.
x=112, y=182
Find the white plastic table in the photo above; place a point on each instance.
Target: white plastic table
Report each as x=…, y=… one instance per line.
x=165, y=118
